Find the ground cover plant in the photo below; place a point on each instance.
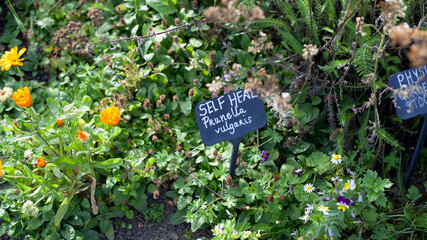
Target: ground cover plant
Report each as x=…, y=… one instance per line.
x=98, y=131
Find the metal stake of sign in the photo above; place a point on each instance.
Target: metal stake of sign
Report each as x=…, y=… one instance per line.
x=234, y=153
x=417, y=152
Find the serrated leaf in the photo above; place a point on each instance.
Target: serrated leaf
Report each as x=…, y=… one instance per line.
x=413, y=193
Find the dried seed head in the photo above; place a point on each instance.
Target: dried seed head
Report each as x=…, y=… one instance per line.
x=184, y=180
x=158, y=182
x=158, y=45
x=239, y=154
x=151, y=151
x=175, y=39
x=245, y=207
x=191, y=93
x=167, y=129
x=190, y=169
x=147, y=103
x=229, y=181
x=162, y=97
x=178, y=148
x=156, y=194
x=170, y=203
x=164, y=23
x=175, y=98
x=212, y=56
x=195, y=5
x=219, y=157
x=122, y=21
x=195, y=81
x=215, y=152
x=301, y=128
x=175, y=177
x=239, y=160
x=159, y=103
x=177, y=21
x=276, y=177
x=335, y=134
x=244, y=165
x=282, y=198
x=270, y=198
x=189, y=153
x=166, y=116
x=154, y=138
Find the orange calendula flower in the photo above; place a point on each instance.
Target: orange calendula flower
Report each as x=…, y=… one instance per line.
x=41, y=162
x=60, y=122
x=2, y=173
x=82, y=136
x=11, y=58
x=23, y=97
x=111, y=116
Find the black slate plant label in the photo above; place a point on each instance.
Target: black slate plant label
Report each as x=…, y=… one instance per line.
x=229, y=118
x=416, y=104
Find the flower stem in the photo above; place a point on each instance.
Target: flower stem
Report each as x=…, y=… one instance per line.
x=22, y=78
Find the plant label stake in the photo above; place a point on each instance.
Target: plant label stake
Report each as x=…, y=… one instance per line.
x=229, y=118
x=412, y=105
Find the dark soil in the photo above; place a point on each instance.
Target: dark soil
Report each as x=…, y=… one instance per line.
x=146, y=230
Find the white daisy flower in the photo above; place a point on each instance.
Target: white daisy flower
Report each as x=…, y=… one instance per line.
x=308, y=188
x=335, y=159
x=246, y=234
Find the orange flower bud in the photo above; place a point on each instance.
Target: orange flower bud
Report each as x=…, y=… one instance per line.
x=23, y=97
x=60, y=122
x=111, y=116
x=16, y=191
x=41, y=162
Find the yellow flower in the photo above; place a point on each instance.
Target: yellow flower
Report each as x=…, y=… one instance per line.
x=341, y=207
x=11, y=58
x=111, y=116
x=23, y=97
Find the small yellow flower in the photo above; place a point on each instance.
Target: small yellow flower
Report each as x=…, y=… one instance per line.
x=11, y=58
x=323, y=209
x=246, y=234
x=258, y=235
x=342, y=207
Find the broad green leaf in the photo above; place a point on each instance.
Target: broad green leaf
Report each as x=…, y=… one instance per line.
x=67, y=231
x=63, y=209
x=107, y=164
x=165, y=7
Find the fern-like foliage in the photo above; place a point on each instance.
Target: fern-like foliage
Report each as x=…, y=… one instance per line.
x=352, y=86
x=332, y=66
x=290, y=42
x=287, y=11
x=363, y=61
x=384, y=135
x=304, y=9
x=271, y=22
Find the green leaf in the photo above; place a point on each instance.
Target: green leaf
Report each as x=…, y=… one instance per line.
x=197, y=224
x=35, y=223
x=54, y=107
x=107, y=164
x=319, y=161
x=163, y=6
x=300, y=147
x=45, y=22
x=63, y=208
x=413, y=193
x=53, y=236
x=186, y=106
x=86, y=103
x=178, y=217
x=67, y=232
x=90, y=234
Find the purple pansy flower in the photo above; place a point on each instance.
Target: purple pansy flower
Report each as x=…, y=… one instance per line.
x=352, y=201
